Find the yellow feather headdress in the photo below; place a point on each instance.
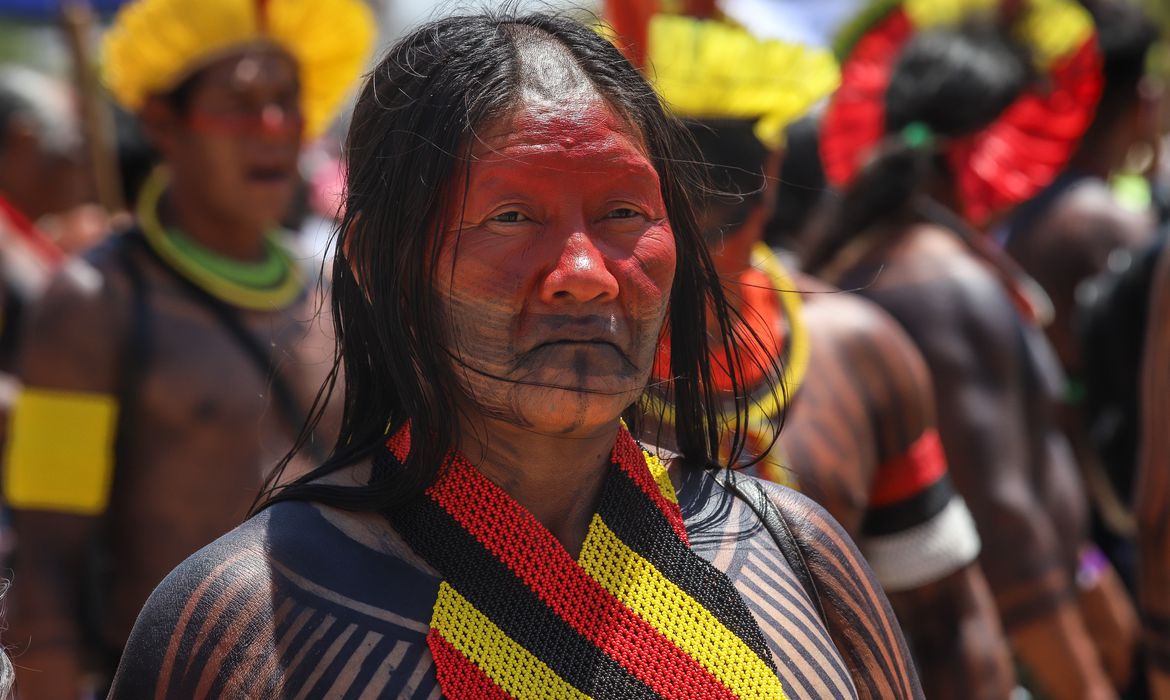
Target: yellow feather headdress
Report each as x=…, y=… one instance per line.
x=716, y=70
x=154, y=44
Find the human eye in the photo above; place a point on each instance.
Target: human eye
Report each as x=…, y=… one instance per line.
x=509, y=217
x=622, y=213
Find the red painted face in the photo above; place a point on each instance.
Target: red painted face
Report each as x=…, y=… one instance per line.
x=556, y=272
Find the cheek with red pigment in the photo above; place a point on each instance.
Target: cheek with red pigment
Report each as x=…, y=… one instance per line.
x=648, y=276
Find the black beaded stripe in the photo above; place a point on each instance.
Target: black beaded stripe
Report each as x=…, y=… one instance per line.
x=647, y=532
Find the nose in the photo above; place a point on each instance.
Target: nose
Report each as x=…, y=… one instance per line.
x=277, y=120
x=579, y=274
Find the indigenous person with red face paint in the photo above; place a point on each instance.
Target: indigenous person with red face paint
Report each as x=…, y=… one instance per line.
x=940, y=125
x=518, y=237
x=161, y=387
x=859, y=432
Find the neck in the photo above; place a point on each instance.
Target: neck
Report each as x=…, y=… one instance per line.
x=224, y=235
x=558, y=479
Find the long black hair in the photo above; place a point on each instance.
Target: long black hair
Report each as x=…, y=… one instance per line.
x=414, y=123
x=948, y=83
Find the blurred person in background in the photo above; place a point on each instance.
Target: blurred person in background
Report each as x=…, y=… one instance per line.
x=1153, y=488
x=41, y=174
x=1078, y=228
x=161, y=387
x=938, y=128
x=859, y=434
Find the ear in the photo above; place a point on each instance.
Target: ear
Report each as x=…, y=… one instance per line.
x=161, y=125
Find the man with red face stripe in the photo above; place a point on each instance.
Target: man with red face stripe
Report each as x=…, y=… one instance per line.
x=166, y=376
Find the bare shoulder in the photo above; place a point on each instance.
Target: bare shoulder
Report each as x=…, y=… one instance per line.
x=858, y=616
x=844, y=313
x=849, y=320
x=945, y=298
x=1088, y=215
x=271, y=606
x=72, y=332
x=811, y=592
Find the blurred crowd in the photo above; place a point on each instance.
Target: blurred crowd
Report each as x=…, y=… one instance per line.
x=946, y=221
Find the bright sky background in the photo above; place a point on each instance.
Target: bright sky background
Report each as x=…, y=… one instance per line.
x=399, y=15
x=801, y=21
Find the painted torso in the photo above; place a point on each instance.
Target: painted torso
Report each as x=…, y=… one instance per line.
x=201, y=428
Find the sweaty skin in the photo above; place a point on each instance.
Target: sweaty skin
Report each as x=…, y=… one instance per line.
x=554, y=283
x=997, y=427
x=272, y=610
x=1153, y=489
x=560, y=204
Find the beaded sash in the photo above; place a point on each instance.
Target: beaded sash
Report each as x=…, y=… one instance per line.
x=637, y=615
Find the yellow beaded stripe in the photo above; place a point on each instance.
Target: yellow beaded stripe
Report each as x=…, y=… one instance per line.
x=510, y=666
x=642, y=588
x=661, y=474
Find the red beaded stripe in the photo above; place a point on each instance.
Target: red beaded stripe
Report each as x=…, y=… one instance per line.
x=458, y=677
x=540, y=561
x=633, y=463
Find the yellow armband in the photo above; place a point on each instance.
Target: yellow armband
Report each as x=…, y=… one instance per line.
x=61, y=451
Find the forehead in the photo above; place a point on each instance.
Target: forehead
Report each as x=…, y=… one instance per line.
x=572, y=133
x=256, y=68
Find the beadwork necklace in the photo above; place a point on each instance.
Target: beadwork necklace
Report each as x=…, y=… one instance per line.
x=636, y=615
x=271, y=284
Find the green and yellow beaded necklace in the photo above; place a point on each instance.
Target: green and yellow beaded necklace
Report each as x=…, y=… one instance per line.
x=271, y=284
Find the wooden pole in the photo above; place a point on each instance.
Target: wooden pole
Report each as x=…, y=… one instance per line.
x=97, y=118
